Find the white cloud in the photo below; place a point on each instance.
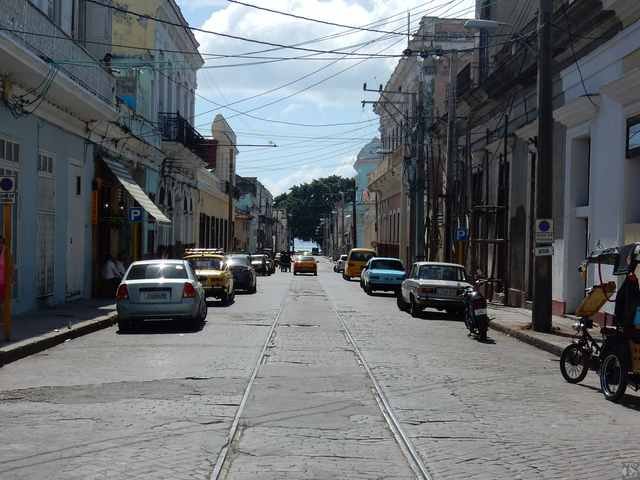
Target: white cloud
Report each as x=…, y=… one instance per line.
x=335, y=101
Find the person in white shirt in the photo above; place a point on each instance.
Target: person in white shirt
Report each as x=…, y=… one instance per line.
x=120, y=265
x=110, y=275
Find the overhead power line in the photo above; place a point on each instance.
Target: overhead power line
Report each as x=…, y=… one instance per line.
x=334, y=24
x=227, y=35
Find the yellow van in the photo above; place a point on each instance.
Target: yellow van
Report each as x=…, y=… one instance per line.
x=358, y=257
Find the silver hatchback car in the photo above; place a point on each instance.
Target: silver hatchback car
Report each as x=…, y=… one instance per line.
x=155, y=289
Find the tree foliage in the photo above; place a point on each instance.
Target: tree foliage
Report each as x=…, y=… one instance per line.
x=308, y=202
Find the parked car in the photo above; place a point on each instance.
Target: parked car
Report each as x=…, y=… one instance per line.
x=339, y=265
x=305, y=264
x=382, y=273
x=158, y=289
x=259, y=264
x=244, y=276
x=434, y=285
x=214, y=274
x=356, y=260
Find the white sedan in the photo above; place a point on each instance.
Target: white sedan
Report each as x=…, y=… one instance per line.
x=159, y=289
x=434, y=285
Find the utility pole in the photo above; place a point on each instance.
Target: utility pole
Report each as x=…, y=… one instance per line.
x=452, y=153
x=230, y=232
x=541, y=320
x=420, y=179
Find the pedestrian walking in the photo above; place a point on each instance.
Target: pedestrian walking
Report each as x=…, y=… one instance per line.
x=110, y=275
x=121, y=265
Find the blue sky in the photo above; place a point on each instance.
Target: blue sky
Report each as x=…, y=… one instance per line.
x=303, y=153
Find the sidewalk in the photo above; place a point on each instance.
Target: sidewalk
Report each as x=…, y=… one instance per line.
x=41, y=329
x=516, y=322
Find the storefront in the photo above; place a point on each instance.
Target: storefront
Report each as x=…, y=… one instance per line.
x=125, y=220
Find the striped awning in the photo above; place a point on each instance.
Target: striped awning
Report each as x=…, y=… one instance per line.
x=124, y=177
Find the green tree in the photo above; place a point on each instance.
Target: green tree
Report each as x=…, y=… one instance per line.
x=308, y=202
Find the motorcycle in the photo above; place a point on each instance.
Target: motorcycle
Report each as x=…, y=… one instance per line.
x=475, y=313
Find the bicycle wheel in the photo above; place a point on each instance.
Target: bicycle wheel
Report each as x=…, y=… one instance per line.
x=574, y=364
x=613, y=377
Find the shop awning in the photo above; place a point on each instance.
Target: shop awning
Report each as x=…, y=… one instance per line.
x=127, y=181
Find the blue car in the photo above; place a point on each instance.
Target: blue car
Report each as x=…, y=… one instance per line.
x=381, y=273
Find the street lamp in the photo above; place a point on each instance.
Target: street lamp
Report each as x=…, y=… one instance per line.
x=482, y=24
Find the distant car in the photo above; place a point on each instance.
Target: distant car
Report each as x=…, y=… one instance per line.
x=339, y=265
x=381, y=273
x=259, y=264
x=214, y=274
x=305, y=264
x=356, y=260
x=315, y=251
x=158, y=289
x=434, y=285
x=244, y=276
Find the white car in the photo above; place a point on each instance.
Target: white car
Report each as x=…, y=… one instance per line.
x=434, y=285
x=339, y=265
x=156, y=289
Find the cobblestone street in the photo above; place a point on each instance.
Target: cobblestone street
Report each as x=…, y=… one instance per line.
x=161, y=403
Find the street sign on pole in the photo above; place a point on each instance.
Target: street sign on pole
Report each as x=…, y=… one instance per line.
x=135, y=214
x=7, y=190
x=462, y=234
x=544, y=230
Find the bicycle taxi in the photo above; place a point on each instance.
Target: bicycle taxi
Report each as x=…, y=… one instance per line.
x=618, y=358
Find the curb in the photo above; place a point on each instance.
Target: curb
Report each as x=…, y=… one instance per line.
x=27, y=347
x=526, y=338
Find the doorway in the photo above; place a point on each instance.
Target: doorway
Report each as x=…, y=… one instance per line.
x=75, y=233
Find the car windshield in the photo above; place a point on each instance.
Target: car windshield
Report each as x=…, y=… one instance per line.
x=257, y=258
x=238, y=260
x=387, y=265
x=306, y=258
x=150, y=271
x=206, y=263
x=343, y=257
x=441, y=272
x=360, y=256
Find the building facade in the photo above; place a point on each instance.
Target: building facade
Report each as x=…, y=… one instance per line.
x=51, y=116
x=367, y=161
x=594, y=204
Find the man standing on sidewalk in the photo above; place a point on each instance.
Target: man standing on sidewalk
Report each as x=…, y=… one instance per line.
x=110, y=275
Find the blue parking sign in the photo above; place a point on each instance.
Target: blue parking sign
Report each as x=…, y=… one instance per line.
x=135, y=214
x=462, y=234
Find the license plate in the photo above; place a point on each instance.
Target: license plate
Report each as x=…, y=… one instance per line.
x=156, y=296
x=447, y=292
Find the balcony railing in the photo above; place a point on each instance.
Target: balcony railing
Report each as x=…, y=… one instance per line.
x=48, y=41
x=175, y=128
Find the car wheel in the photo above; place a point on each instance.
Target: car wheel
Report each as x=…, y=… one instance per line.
x=315, y=274
x=224, y=299
x=402, y=306
x=368, y=290
x=254, y=289
x=413, y=308
x=205, y=310
x=124, y=325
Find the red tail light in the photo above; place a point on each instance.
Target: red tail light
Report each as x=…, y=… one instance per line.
x=122, y=293
x=188, y=291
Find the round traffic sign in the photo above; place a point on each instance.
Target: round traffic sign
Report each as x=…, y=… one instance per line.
x=6, y=184
x=544, y=226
